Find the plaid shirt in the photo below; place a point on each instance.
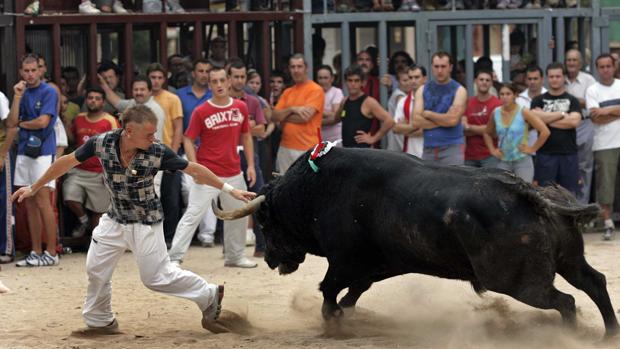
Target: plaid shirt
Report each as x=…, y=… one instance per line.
x=133, y=195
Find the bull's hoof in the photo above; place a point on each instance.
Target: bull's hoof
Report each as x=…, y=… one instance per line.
x=331, y=312
x=612, y=333
x=348, y=311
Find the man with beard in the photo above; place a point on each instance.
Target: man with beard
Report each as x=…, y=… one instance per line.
x=371, y=86
x=83, y=188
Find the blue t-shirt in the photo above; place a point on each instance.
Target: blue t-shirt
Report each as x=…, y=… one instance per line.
x=189, y=101
x=510, y=137
x=37, y=101
x=439, y=98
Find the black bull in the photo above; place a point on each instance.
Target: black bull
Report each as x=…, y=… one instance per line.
x=376, y=214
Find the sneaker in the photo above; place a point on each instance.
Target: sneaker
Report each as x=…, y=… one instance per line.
x=503, y=4
x=33, y=8
x=608, y=234
x=206, y=244
x=175, y=6
x=80, y=230
x=514, y=4
x=118, y=7
x=110, y=329
x=414, y=7
x=243, y=263
x=88, y=8
x=30, y=260
x=47, y=260
x=534, y=4
x=211, y=314
x=4, y=259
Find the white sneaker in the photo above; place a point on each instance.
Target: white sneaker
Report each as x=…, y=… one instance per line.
x=118, y=7
x=30, y=259
x=175, y=7
x=250, y=238
x=88, y=8
x=80, y=230
x=243, y=263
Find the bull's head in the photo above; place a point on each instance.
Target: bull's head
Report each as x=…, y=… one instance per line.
x=278, y=252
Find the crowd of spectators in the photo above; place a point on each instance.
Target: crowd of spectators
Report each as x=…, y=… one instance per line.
x=556, y=125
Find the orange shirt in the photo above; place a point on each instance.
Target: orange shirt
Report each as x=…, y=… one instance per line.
x=302, y=136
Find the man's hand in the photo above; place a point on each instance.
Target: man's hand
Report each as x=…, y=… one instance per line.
x=102, y=81
x=306, y=113
x=363, y=137
x=20, y=88
x=241, y=195
x=251, y=176
x=386, y=80
x=526, y=149
x=596, y=112
x=497, y=153
x=464, y=123
x=22, y=193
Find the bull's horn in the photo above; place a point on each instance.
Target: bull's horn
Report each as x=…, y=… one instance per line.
x=246, y=210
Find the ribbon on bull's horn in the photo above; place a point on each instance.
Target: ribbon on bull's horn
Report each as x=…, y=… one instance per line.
x=319, y=150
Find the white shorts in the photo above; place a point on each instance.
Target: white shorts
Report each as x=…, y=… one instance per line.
x=29, y=170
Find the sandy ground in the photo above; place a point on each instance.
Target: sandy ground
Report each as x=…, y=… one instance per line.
x=411, y=311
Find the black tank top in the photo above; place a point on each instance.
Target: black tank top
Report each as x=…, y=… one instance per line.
x=352, y=121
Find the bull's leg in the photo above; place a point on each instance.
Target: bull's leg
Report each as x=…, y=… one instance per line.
x=331, y=285
x=581, y=275
x=355, y=292
x=548, y=297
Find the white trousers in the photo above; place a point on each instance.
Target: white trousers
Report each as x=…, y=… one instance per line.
x=206, y=228
x=109, y=242
x=200, y=197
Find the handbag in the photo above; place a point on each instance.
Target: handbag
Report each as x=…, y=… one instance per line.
x=33, y=146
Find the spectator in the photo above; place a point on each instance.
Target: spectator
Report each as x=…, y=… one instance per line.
x=237, y=72
x=217, y=47
x=34, y=111
x=616, y=57
x=337, y=65
x=367, y=63
x=331, y=130
x=7, y=136
x=178, y=69
x=410, y=139
x=399, y=60
x=577, y=82
x=141, y=90
x=439, y=106
x=300, y=112
x=404, y=86
x=603, y=103
x=535, y=88
x=477, y=115
x=172, y=137
x=509, y=124
x=134, y=220
x=191, y=98
x=264, y=144
x=83, y=188
x=62, y=141
x=111, y=73
x=72, y=78
x=276, y=85
x=154, y=6
x=556, y=161
x=219, y=138
x=358, y=112
x=198, y=92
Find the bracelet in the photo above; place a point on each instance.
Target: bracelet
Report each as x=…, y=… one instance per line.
x=227, y=188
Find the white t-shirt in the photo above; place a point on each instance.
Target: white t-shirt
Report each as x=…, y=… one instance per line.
x=415, y=145
x=4, y=107
x=61, y=134
x=333, y=96
x=524, y=100
x=606, y=136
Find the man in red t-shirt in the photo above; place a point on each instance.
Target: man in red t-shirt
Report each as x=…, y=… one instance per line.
x=221, y=123
x=479, y=109
x=83, y=188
